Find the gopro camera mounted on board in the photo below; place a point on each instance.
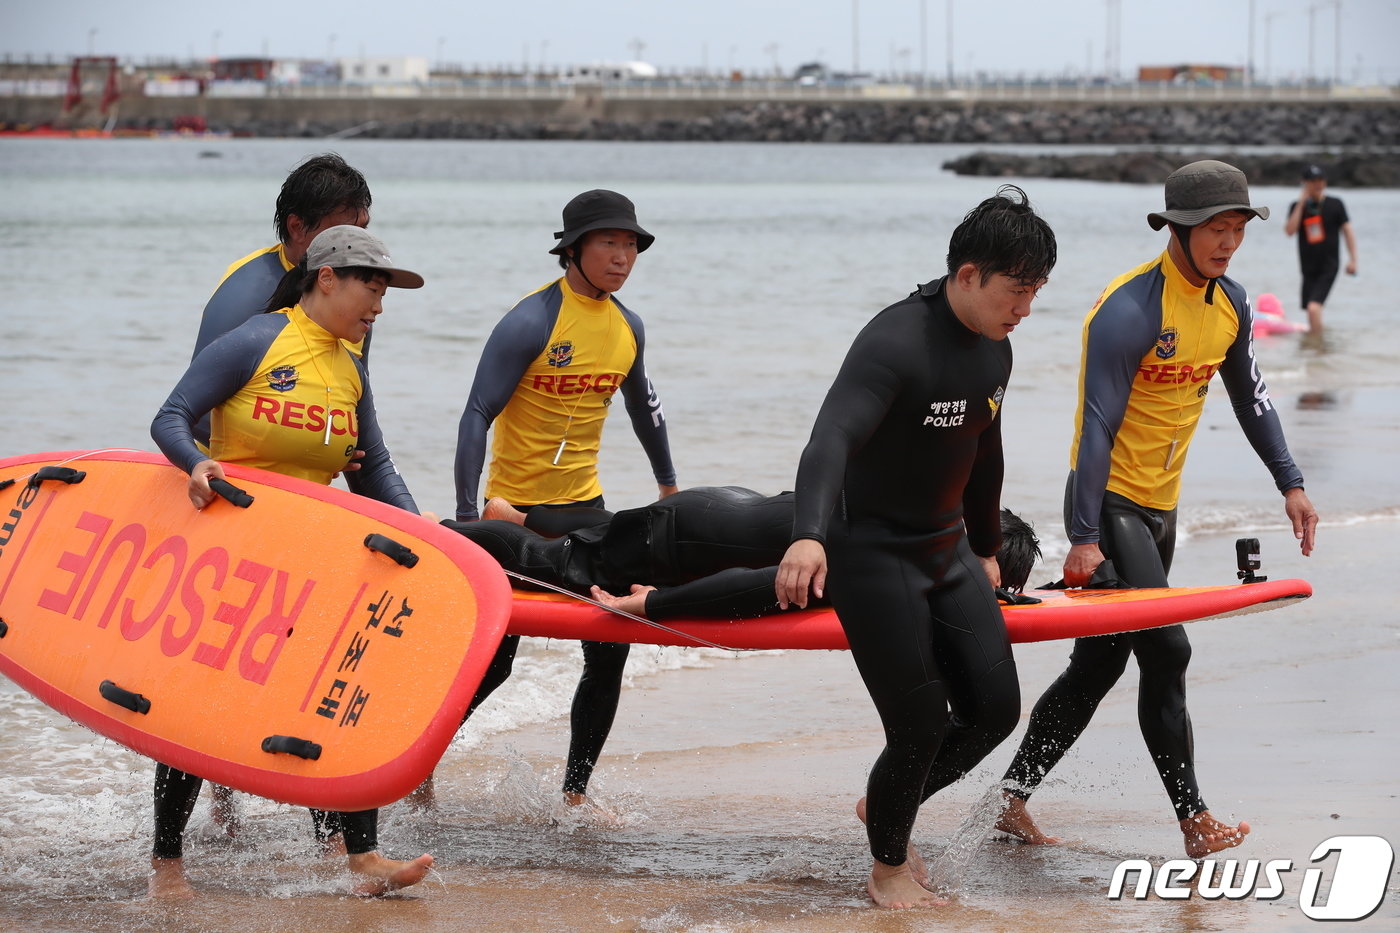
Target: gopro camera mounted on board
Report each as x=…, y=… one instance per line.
x=1247, y=559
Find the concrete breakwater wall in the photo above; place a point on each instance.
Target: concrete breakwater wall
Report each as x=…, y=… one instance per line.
x=1353, y=169
x=597, y=117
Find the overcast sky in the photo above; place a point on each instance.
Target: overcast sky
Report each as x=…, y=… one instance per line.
x=1008, y=36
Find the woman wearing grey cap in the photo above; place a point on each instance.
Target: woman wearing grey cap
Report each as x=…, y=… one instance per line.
x=1152, y=342
x=287, y=396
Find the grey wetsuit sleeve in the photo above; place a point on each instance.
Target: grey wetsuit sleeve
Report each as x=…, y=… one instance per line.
x=517, y=339
x=214, y=376
x=1249, y=397
x=1121, y=332
x=377, y=478
x=644, y=409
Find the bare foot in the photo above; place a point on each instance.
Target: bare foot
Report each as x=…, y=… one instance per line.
x=332, y=846
x=168, y=881
x=634, y=603
x=893, y=886
x=912, y=858
x=1205, y=834
x=380, y=875
x=595, y=811
x=500, y=510
x=224, y=811
x=1016, y=820
x=424, y=796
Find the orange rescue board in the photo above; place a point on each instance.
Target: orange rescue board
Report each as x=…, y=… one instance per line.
x=200, y=637
x=1060, y=614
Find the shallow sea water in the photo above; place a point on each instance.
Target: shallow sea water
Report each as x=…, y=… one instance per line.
x=734, y=776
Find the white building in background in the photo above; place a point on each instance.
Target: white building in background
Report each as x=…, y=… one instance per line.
x=384, y=70
x=613, y=71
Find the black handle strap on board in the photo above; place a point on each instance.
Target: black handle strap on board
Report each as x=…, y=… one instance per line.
x=124, y=698
x=1015, y=599
x=44, y=474
x=58, y=474
x=230, y=492
x=398, y=553
x=290, y=745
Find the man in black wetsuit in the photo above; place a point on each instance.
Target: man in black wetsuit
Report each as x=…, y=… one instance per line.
x=901, y=485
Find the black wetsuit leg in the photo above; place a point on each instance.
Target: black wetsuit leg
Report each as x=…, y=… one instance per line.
x=926, y=632
x=175, y=795
x=594, y=709
x=1141, y=543
x=555, y=521
x=361, y=831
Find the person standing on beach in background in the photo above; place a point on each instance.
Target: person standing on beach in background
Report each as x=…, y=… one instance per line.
x=1317, y=219
x=544, y=384
x=901, y=484
x=1151, y=344
x=297, y=355
x=323, y=191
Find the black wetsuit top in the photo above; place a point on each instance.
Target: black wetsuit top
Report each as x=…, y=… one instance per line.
x=909, y=435
x=906, y=449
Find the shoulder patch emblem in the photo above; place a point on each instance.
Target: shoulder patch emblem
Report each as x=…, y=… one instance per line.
x=560, y=354
x=1166, y=344
x=994, y=403
x=283, y=378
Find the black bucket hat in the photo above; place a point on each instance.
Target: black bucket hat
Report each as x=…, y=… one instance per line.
x=1199, y=191
x=599, y=209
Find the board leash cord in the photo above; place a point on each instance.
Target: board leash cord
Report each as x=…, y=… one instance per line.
x=622, y=612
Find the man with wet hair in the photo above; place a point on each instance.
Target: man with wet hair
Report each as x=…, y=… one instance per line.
x=900, y=484
x=1152, y=342
x=323, y=191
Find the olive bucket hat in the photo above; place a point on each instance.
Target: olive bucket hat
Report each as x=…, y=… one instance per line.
x=1199, y=191
x=599, y=209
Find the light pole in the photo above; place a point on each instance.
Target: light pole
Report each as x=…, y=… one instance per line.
x=92, y=41
x=949, y=31
x=214, y=45
x=923, y=41
x=855, y=37
x=330, y=47
x=1336, y=38
x=1269, y=44
x=1249, y=57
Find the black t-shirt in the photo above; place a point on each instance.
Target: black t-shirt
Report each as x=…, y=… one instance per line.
x=1319, y=230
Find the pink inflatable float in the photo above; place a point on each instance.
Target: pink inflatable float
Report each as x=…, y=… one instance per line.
x=1269, y=319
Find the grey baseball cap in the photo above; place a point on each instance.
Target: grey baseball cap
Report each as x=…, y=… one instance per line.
x=1199, y=191
x=347, y=246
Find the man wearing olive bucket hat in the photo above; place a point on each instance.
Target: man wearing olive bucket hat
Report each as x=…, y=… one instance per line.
x=1152, y=342
x=546, y=378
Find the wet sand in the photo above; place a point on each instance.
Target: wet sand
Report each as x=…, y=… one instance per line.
x=735, y=785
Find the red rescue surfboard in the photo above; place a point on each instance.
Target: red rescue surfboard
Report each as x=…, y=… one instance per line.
x=1059, y=614
x=268, y=648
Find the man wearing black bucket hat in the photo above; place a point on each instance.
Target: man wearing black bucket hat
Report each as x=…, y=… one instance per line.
x=1320, y=222
x=544, y=384
x=1152, y=342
